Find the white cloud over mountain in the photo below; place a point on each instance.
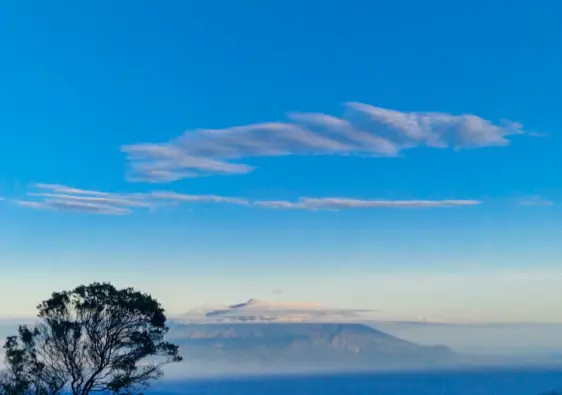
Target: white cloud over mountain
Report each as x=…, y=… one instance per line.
x=262, y=311
x=255, y=310
x=361, y=130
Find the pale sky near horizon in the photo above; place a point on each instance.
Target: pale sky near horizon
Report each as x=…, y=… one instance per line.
x=398, y=156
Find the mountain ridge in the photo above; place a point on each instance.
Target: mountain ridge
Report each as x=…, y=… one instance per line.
x=317, y=344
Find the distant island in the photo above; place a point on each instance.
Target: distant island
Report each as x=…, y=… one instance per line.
x=320, y=346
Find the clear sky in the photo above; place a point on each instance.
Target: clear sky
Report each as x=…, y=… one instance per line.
x=396, y=155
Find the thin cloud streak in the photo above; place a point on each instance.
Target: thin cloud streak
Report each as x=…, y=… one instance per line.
x=66, y=198
x=108, y=203
x=61, y=205
x=108, y=199
x=534, y=201
x=199, y=198
x=69, y=190
x=326, y=203
x=345, y=203
x=361, y=130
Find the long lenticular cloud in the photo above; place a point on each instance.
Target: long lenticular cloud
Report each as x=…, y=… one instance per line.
x=307, y=203
x=346, y=203
x=55, y=197
x=361, y=130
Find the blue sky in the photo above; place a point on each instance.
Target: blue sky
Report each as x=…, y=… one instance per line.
x=357, y=154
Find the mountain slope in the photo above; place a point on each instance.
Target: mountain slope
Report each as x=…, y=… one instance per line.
x=320, y=344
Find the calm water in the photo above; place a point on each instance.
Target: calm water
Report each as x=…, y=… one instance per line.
x=466, y=383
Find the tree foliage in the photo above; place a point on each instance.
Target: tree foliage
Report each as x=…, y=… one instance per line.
x=94, y=338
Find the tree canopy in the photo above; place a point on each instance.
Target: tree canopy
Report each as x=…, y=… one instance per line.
x=94, y=338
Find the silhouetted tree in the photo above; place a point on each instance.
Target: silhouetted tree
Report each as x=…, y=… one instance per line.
x=94, y=338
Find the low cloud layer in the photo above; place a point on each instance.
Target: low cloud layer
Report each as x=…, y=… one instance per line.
x=65, y=198
x=361, y=130
x=263, y=311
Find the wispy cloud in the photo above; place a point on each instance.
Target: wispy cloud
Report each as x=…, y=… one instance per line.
x=538, y=134
x=361, y=130
x=70, y=190
x=308, y=203
x=65, y=198
x=61, y=205
x=534, y=201
x=345, y=203
x=178, y=197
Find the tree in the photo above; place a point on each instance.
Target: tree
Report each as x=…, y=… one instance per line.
x=94, y=338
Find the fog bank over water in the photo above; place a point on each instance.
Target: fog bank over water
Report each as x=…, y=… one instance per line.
x=499, y=339
x=503, y=339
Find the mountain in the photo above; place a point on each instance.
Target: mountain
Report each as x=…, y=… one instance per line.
x=320, y=345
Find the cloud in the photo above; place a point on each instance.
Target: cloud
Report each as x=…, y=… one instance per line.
x=262, y=311
x=70, y=190
x=538, y=134
x=345, y=203
x=534, y=201
x=178, y=197
x=74, y=206
x=109, y=199
x=64, y=198
x=361, y=130
x=326, y=203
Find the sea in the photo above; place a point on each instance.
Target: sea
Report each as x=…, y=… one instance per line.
x=490, y=382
